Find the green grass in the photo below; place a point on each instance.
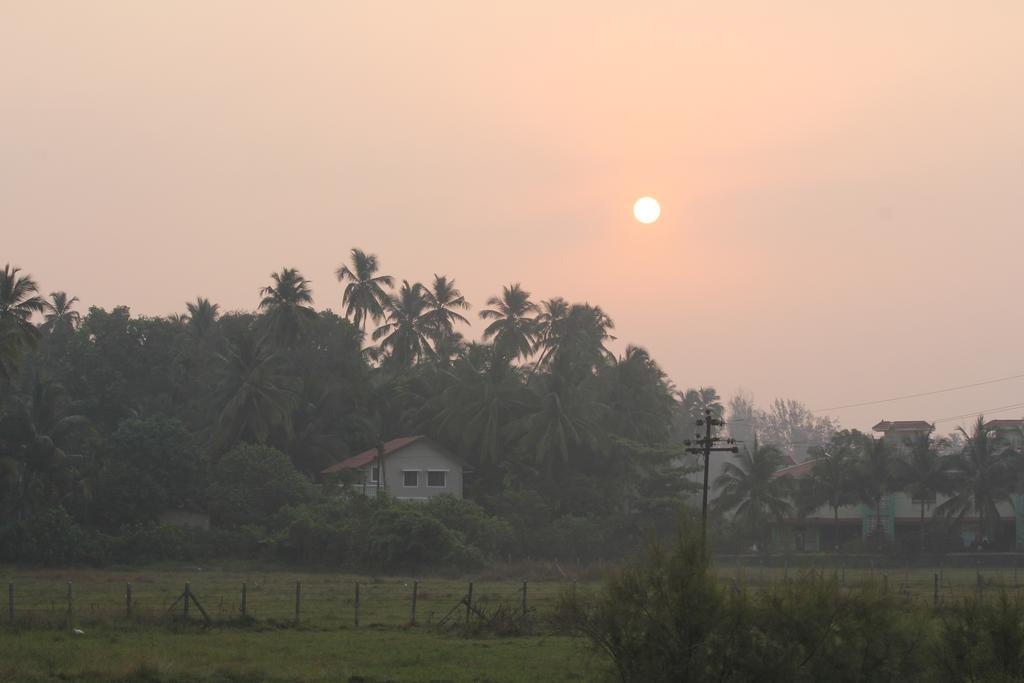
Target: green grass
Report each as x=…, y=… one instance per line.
x=152, y=654
x=325, y=645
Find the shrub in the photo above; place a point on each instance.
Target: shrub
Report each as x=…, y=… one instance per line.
x=251, y=483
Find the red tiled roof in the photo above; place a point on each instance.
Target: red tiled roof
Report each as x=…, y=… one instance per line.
x=368, y=456
x=886, y=425
x=796, y=471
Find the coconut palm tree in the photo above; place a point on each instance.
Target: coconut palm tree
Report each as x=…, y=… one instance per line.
x=638, y=396
x=364, y=295
x=512, y=328
x=981, y=476
x=874, y=478
x=256, y=394
x=59, y=314
x=405, y=335
x=443, y=298
x=922, y=473
x=548, y=327
x=19, y=299
x=484, y=399
x=287, y=304
x=749, y=486
x=830, y=482
x=202, y=315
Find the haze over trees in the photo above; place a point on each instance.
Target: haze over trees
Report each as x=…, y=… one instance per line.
x=107, y=420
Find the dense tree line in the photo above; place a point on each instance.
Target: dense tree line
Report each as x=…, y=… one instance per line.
x=113, y=418
x=966, y=475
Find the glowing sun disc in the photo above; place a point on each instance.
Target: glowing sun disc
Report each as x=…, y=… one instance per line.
x=646, y=210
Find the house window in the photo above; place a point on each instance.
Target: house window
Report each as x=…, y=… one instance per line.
x=437, y=478
x=374, y=474
x=410, y=478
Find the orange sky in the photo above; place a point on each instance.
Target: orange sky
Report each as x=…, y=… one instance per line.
x=841, y=182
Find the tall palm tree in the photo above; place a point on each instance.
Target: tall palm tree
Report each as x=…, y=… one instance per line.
x=406, y=332
x=749, y=486
x=19, y=299
x=513, y=329
x=638, y=397
x=982, y=476
x=256, y=394
x=443, y=298
x=484, y=399
x=559, y=418
x=548, y=327
x=575, y=345
x=922, y=473
x=831, y=482
x=364, y=296
x=59, y=314
x=874, y=477
x=288, y=306
x=202, y=315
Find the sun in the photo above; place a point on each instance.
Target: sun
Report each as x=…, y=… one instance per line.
x=646, y=210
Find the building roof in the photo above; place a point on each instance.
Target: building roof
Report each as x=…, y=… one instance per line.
x=1004, y=424
x=886, y=425
x=368, y=456
x=797, y=471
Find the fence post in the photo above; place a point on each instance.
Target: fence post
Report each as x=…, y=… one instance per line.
x=843, y=573
x=298, y=599
x=128, y=600
x=10, y=602
x=71, y=604
x=415, y=590
x=785, y=570
x=935, y=591
x=357, y=604
x=188, y=596
x=469, y=602
x=885, y=583
x=524, y=598
x=244, y=607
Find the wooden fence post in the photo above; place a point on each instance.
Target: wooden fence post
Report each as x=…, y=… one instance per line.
x=10, y=602
x=357, y=604
x=244, y=610
x=298, y=599
x=843, y=573
x=935, y=591
x=885, y=583
x=469, y=602
x=187, y=596
x=71, y=604
x=415, y=590
x=524, y=598
x=128, y=600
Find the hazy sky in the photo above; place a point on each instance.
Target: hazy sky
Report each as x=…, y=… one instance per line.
x=841, y=182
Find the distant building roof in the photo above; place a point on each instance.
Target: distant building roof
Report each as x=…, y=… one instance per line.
x=886, y=425
x=1004, y=424
x=368, y=456
x=797, y=471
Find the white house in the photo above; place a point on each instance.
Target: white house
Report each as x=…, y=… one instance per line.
x=414, y=468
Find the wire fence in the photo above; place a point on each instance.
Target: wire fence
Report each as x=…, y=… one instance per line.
x=317, y=601
x=932, y=584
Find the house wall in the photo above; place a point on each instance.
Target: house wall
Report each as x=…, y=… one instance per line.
x=421, y=457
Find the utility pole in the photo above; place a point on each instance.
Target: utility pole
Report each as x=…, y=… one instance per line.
x=706, y=446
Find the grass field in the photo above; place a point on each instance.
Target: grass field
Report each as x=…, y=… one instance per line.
x=324, y=643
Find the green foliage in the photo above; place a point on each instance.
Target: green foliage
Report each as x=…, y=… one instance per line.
x=252, y=482
x=153, y=464
x=664, y=617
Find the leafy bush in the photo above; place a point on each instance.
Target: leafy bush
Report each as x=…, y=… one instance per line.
x=665, y=618
x=251, y=483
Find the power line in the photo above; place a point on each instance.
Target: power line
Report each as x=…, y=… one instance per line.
x=918, y=395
